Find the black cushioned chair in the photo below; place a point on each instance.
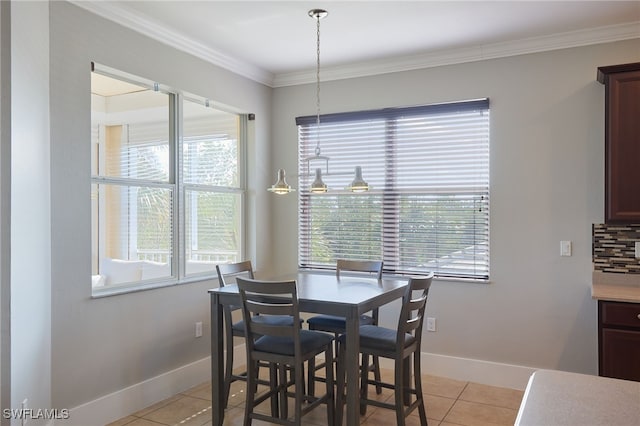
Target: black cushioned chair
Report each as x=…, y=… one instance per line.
x=337, y=325
x=401, y=345
x=226, y=273
x=287, y=346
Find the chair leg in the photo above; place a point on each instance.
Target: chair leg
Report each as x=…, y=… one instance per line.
x=252, y=388
x=400, y=385
x=364, y=384
x=406, y=371
x=304, y=385
x=284, y=403
x=417, y=377
x=299, y=395
x=228, y=368
x=311, y=377
x=273, y=385
x=329, y=388
x=376, y=374
x=339, y=396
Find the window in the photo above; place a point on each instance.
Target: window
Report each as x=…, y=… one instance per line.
x=212, y=187
x=428, y=206
x=164, y=208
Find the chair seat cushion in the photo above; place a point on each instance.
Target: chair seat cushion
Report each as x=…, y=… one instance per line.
x=310, y=341
x=265, y=319
x=380, y=338
x=332, y=322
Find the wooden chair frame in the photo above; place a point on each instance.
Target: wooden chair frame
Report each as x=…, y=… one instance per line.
x=410, y=322
x=369, y=267
x=280, y=298
x=228, y=270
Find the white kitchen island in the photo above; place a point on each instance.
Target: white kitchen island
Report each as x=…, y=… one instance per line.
x=560, y=398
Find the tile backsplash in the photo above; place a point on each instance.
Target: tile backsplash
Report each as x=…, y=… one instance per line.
x=614, y=248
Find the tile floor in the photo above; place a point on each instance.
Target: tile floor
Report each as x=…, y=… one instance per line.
x=448, y=403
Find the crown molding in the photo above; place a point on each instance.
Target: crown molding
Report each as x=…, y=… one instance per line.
x=174, y=39
x=457, y=56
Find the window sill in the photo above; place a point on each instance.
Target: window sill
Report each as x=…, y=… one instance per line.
x=109, y=291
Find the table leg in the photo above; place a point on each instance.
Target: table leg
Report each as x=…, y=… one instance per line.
x=352, y=367
x=217, y=363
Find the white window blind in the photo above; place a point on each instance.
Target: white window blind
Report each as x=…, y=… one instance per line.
x=428, y=209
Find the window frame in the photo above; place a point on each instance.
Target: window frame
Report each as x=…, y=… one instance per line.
x=175, y=184
x=388, y=118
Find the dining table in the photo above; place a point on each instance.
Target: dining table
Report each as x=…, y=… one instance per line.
x=318, y=293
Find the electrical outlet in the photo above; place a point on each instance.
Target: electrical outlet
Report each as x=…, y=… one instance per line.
x=431, y=324
x=199, y=329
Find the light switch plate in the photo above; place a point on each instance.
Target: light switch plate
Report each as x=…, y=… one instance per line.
x=431, y=324
x=565, y=248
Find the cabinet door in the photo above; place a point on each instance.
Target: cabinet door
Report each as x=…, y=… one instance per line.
x=622, y=191
x=620, y=354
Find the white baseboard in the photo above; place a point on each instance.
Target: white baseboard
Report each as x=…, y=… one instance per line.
x=472, y=370
x=134, y=398
x=477, y=371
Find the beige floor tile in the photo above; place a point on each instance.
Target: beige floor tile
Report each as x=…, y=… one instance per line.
x=237, y=394
x=484, y=394
x=476, y=405
x=474, y=414
x=123, y=421
x=442, y=386
x=143, y=422
x=437, y=406
x=182, y=409
x=157, y=405
x=198, y=418
x=234, y=416
x=384, y=417
x=386, y=394
x=316, y=417
x=202, y=391
x=386, y=374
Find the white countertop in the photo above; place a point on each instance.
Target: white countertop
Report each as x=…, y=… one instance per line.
x=615, y=287
x=560, y=398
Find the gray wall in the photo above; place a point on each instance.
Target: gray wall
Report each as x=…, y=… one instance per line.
x=30, y=207
x=5, y=206
x=547, y=186
x=547, y=163
x=104, y=345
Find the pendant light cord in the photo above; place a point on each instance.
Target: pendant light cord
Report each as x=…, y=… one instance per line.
x=318, y=85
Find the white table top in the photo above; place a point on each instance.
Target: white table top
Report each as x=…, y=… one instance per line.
x=560, y=398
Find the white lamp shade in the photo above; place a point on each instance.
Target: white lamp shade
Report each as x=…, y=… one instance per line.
x=281, y=186
x=318, y=186
x=358, y=184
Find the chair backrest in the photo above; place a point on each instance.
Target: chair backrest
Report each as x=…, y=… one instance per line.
x=230, y=270
x=261, y=298
x=414, y=303
x=373, y=267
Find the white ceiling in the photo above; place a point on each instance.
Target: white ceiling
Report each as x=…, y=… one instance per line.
x=274, y=42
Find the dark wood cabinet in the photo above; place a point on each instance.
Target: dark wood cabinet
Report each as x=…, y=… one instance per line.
x=619, y=340
x=622, y=142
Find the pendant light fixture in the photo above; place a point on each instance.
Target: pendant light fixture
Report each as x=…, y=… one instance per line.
x=358, y=184
x=318, y=186
x=281, y=186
